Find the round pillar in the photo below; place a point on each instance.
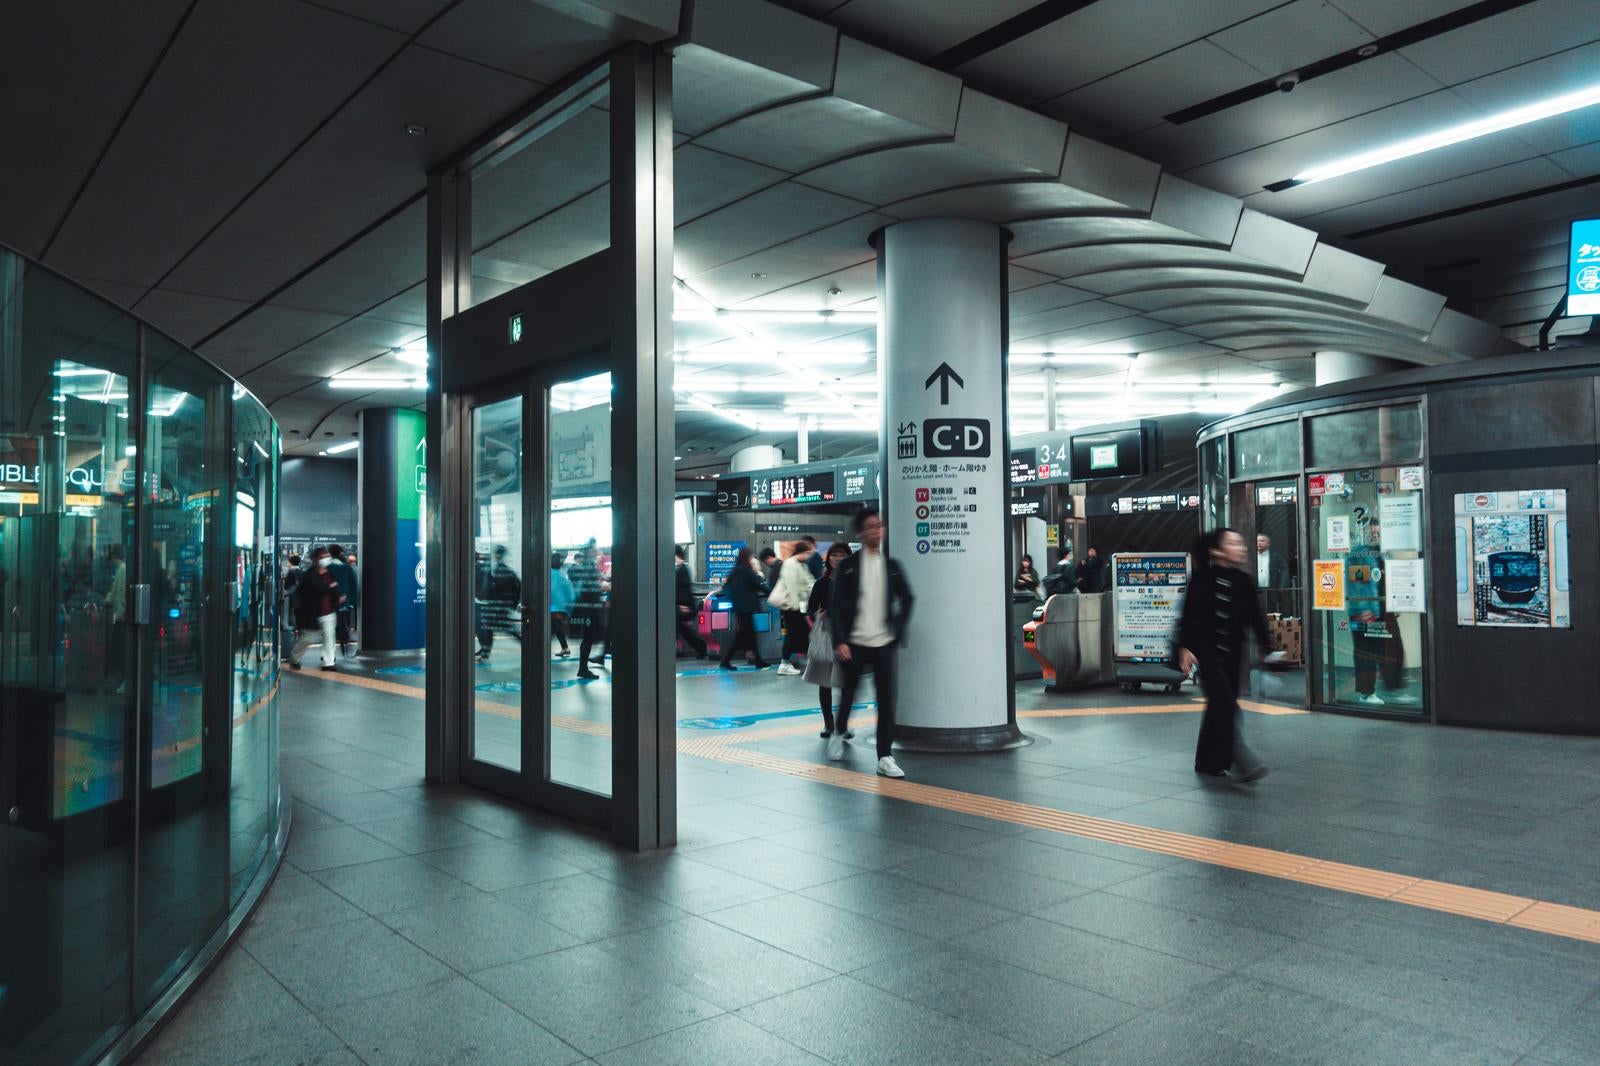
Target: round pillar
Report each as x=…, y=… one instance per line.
x=755, y=457
x=393, y=480
x=1345, y=366
x=941, y=363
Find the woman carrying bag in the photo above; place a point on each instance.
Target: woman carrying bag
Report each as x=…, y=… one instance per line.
x=822, y=668
x=747, y=590
x=792, y=596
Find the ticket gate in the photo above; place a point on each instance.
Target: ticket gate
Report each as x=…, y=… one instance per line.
x=1071, y=637
x=715, y=625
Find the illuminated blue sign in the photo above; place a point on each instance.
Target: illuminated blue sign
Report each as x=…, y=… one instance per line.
x=1583, y=269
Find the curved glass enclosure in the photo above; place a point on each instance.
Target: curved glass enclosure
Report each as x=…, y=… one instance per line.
x=139, y=803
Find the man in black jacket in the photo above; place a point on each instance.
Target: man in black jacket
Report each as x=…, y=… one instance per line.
x=687, y=607
x=870, y=606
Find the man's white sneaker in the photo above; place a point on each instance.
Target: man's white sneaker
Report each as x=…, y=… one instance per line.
x=836, y=747
x=1371, y=699
x=788, y=670
x=889, y=768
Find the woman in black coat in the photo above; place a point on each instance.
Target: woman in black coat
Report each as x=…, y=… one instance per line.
x=820, y=673
x=748, y=590
x=1218, y=610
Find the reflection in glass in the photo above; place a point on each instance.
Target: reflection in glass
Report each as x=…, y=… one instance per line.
x=1370, y=640
x=580, y=539
x=1275, y=510
x=497, y=580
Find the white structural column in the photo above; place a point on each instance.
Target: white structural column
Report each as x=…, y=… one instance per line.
x=941, y=364
x=1346, y=366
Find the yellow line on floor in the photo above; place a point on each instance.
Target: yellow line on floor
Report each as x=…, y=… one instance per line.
x=1500, y=908
x=415, y=692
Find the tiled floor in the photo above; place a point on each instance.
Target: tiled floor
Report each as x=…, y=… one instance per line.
x=799, y=922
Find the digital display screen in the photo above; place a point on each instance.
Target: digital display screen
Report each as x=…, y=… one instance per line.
x=858, y=482
x=1023, y=469
x=1043, y=461
x=795, y=489
x=1027, y=506
x=733, y=494
x=1583, y=268
x=1112, y=453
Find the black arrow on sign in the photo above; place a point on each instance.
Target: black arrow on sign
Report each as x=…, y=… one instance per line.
x=944, y=376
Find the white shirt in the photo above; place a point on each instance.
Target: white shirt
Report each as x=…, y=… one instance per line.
x=871, y=628
x=1263, y=568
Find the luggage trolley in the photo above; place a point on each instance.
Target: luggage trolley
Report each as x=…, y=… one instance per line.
x=1147, y=596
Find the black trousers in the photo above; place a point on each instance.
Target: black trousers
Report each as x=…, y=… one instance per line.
x=1375, y=655
x=594, y=630
x=559, y=629
x=686, y=632
x=744, y=637
x=1220, y=745
x=796, y=634
x=881, y=662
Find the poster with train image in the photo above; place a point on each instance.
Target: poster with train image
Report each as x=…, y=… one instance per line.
x=1511, y=559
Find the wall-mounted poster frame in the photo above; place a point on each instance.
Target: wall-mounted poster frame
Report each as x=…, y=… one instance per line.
x=1511, y=559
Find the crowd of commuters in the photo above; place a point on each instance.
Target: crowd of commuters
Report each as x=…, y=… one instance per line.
x=321, y=599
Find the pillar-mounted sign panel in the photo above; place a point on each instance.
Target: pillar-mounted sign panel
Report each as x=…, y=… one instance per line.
x=1583, y=268
x=941, y=349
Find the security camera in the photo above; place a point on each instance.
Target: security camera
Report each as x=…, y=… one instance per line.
x=1287, y=82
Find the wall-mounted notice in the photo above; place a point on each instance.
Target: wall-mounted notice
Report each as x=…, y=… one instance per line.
x=1327, y=584
x=1511, y=559
x=1338, y=538
x=1403, y=586
x=720, y=557
x=1147, y=592
x=1401, y=519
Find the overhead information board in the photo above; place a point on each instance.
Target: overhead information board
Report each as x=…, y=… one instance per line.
x=793, y=489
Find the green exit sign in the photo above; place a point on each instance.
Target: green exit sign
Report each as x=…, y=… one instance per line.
x=515, y=329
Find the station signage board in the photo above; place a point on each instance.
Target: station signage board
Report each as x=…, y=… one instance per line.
x=733, y=494
x=1028, y=505
x=1041, y=459
x=1123, y=451
x=1583, y=268
x=800, y=489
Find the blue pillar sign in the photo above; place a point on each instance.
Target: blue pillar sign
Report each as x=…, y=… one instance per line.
x=1583, y=269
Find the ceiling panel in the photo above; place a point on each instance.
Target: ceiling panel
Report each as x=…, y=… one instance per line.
x=857, y=285
x=385, y=261
x=1004, y=201
x=408, y=16
x=532, y=40
x=1045, y=298
x=1039, y=234
x=264, y=334
x=1095, y=41
x=59, y=105
x=770, y=217
x=1290, y=36
x=187, y=316
x=564, y=163
x=813, y=255
x=1061, y=319
x=917, y=28
x=300, y=215
x=1437, y=196
x=1383, y=17
x=564, y=236
x=1505, y=40
x=703, y=180
x=1141, y=96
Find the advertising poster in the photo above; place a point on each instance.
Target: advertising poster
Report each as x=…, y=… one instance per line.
x=1327, y=584
x=720, y=557
x=1511, y=559
x=1338, y=538
x=1147, y=592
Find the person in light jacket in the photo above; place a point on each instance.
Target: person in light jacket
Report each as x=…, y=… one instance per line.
x=561, y=597
x=792, y=594
x=870, y=606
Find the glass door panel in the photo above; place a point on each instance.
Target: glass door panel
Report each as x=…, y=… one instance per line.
x=498, y=566
x=185, y=650
x=1367, y=535
x=579, y=536
x=1275, y=519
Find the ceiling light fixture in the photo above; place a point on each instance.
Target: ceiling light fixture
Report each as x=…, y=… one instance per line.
x=374, y=382
x=340, y=449
x=416, y=129
x=1466, y=131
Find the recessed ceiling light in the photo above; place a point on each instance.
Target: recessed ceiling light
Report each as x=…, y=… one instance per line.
x=758, y=274
x=1466, y=131
x=416, y=129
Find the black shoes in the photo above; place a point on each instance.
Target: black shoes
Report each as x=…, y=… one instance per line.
x=727, y=666
x=588, y=675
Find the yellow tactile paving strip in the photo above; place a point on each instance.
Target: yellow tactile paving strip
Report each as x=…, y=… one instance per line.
x=1556, y=919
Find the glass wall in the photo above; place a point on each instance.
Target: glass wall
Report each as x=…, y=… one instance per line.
x=1353, y=609
x=138, y=662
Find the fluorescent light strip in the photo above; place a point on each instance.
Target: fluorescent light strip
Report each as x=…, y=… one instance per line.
x=1505, y=120
x=340, y=449
x=348, y=381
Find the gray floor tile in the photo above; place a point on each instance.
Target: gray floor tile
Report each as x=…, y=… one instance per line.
x=915, y=828
x=499, y=864
x=849, y=1022
x=303, y=1041
x=839, y=940
x=774, y=864
x=857, y=849
x=298, y=901
x=683, y=882
x=420, y=830
x=985, y=882
x=342, y=845
x=1235, y=902
x=1041, y=1012
x=713, y=962
x=726, y=1039
x=340, y=963
x=238, y=995
x=1112, y=968
x=1074, y=867
x=393, y=884
x=1575, y=1039
x=1188, y=936
x=476, y=932
x=588, y=906
x=358, y=807
x=907, y=904
x=593, y=1000
x=1160, y=1038
x=453, y=1021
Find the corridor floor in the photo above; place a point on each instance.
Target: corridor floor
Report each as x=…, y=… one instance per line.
x=812, y=913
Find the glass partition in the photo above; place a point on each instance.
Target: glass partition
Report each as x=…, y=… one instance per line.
x=131, y=816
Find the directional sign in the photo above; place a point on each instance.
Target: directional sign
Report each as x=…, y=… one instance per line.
x=944, y=376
